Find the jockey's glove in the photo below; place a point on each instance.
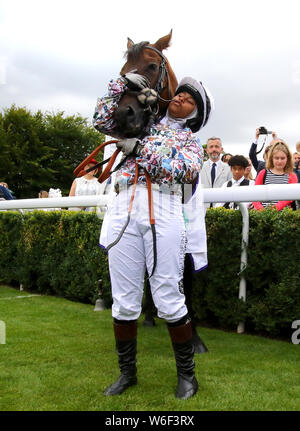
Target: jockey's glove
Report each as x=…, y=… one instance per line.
x=130, y=147
x=134, y=81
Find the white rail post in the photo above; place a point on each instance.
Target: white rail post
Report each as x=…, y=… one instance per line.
x=245, y=236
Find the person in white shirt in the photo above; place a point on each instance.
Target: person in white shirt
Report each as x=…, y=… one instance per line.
x=86, y=185
x=238, y=165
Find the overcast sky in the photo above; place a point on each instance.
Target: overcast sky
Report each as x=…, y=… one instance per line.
x=59, y=55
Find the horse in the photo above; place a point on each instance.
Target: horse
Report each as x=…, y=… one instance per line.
x=146, y=59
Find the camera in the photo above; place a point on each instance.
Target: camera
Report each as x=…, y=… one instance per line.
x=264, y=131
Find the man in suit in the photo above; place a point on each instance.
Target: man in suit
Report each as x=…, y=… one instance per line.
x=214, y=172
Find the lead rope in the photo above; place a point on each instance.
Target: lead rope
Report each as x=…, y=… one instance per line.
x=151, y=215
x=152, y=219
x=129, y=209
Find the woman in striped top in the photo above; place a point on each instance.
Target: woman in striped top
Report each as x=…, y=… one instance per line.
x=279, y=170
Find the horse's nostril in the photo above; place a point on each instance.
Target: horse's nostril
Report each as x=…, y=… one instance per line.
x=129, y=111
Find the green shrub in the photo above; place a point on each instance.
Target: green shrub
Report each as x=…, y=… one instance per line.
x=57, y=252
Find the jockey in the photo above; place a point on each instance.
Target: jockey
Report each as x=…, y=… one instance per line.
x=150, y=183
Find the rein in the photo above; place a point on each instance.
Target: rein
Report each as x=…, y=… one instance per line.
x=79, y=172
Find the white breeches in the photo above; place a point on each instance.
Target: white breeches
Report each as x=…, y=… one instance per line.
x=133, y=254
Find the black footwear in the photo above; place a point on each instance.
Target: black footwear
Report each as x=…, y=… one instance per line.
x=199, y=346
x=186, y=388
x=183, y=347
x=121, y=385
x=149, y=321
x=125, y=335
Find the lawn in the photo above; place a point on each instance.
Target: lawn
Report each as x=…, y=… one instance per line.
x=60, y=356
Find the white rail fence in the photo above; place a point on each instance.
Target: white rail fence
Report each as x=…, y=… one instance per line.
x=263, y=193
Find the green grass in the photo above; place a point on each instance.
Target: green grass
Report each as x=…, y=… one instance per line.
x=60, y=356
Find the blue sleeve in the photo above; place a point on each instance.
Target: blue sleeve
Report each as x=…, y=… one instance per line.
x=7, y=196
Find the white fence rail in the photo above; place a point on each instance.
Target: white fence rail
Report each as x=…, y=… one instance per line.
x=263, y=193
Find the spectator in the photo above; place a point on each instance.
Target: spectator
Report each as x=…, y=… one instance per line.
x=43, y=194
x=86, y=185
x=279, y=170
x=226, y=157
x=10, y=191
x=296, y=158
x=298, y=146
x=5, y=193
x=238, y=165
x=248, y=172
x=259, y=164
x=214, y=172
x=53, y=193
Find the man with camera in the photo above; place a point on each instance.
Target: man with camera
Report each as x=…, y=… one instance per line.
x=259, y=164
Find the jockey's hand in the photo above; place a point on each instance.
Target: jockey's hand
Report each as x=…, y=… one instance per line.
x=134, y=81
x=130, y=147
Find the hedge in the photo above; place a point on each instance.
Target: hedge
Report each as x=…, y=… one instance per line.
x=57, y=253
x=54, y=252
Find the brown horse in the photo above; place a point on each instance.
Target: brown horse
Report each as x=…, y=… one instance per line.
x=148, y=60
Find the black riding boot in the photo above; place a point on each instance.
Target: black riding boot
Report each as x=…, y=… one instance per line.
x=188, y=281
x=125, y=335
x=183, y=347
x=199, y=345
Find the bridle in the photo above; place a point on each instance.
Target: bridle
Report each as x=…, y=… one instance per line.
x=163, y=73
x=153, y=109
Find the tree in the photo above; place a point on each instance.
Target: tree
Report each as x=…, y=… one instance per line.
x=39, y=151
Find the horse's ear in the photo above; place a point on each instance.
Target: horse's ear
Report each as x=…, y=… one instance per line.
x=164, y=42
x=130, y=43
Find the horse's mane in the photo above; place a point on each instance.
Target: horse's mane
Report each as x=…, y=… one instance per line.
x=134, y=51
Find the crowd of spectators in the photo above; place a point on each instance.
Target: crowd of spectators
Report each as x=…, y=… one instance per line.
x=279, y=166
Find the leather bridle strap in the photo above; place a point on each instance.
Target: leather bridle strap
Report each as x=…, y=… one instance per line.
x=163, y=71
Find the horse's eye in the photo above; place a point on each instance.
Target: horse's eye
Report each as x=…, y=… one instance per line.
x=152, y=67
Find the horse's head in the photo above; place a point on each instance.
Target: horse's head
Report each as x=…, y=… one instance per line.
x=148, y=60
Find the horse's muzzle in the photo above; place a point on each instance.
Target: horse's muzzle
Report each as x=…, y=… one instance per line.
x=130, y=120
